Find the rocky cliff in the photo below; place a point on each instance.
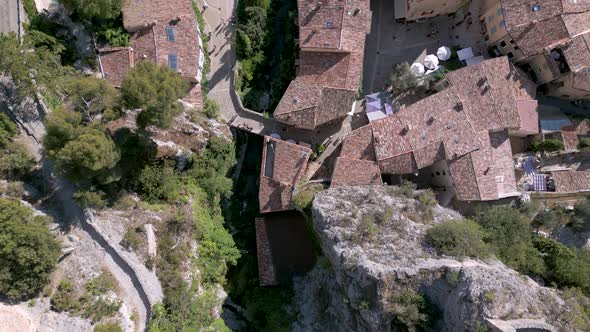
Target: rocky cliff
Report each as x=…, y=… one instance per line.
x=373, y=240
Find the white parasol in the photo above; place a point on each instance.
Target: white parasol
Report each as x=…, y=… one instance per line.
x=431, y=61
x=417, y=69
x=443, y=53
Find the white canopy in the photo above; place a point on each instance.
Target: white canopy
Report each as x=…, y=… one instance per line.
x=443, y=53
x=417, y=69
x=431, y=61
x=465, y=53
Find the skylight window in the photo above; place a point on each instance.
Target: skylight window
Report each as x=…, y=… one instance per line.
x=536, y=7
x=170, y=34
x=172, y=61
x=329, y=24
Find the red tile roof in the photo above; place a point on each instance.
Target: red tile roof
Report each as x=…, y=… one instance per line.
x=571, y=181
x=327, y=82
x=139, y=14
x=147, y=21
x=283, y=165
x=267, y=274
x=358, y=144
x=354, y=172
x=115, y=63
x=465, y=124
x=539, y=25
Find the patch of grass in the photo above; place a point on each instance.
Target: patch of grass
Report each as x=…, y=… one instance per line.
x=366, y=230
x=304, y=195
x=108, y=327
x=489, y=296
x=132, y=239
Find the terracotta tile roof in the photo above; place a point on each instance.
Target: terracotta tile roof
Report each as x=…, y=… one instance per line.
x=577, y=54
x=571, y=181
x=151, y=24
x=327, y=82
x=354, y=172
x=570, y=134
x=283, y=165
x=570, y=138
x=138, y=14
x=359, y=144
x=529, y=119
x=267, y=275
x=465, y=124
x=539, y=25
x=308, y=106
x=115, y=63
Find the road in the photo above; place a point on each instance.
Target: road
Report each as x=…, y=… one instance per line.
x=9, y=16
x=217, y=14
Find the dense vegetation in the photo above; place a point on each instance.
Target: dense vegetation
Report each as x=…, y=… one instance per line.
x=28, y=251
x=265, y=47
x=506, y=232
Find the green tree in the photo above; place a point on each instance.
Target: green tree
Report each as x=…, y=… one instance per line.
x=211, y=166
x=92, y=96
x=94, y=9
x=61, y=127
x=254, y=26
x=402, y=78
x=243, y=44
x=547, y=145
x=28, y=250
x=155, y=89
x=15, y=162
x=458, y=238
x=158, y=182
x=509, y=235
x=86, y=156
x=7, y=129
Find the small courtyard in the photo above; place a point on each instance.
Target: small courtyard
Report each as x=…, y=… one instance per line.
x=391, y=42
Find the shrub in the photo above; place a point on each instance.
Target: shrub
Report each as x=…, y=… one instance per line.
x=549, y=219
x=158, y=182
x=547, y=145
x=584, y=144
x=580, y=221
x=412, y=311
x=7, y=129
x=458, y=238
x=365, y=229
x=566, y=267
x=211, y=108
x=91, y=199
x=108, y=327
x=304, y=196
x=64, y=298
x=15, y=162
x=92, y=9
x=155, y=89
x=489, y=296
x=28, y=250
x=91, y=97
x=510, y=237
x=30, y=8
x=87, y=156
x=132, y=239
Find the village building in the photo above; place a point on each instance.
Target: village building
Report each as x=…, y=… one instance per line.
x=283, y=165
x=547, y=38
x=459, y=138
x=412, y=10
x=164, y=32
x=331, y=39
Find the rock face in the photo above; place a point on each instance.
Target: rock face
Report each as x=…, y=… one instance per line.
x=367, y=266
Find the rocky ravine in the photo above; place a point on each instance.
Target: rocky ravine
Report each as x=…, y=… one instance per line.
x=353, y=291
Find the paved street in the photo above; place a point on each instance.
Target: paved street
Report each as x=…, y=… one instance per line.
x=217, y=14
x=8, y=16
x=390, y=43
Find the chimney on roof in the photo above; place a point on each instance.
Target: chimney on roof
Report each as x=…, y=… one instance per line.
x=319, y=5
x=356, y=12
